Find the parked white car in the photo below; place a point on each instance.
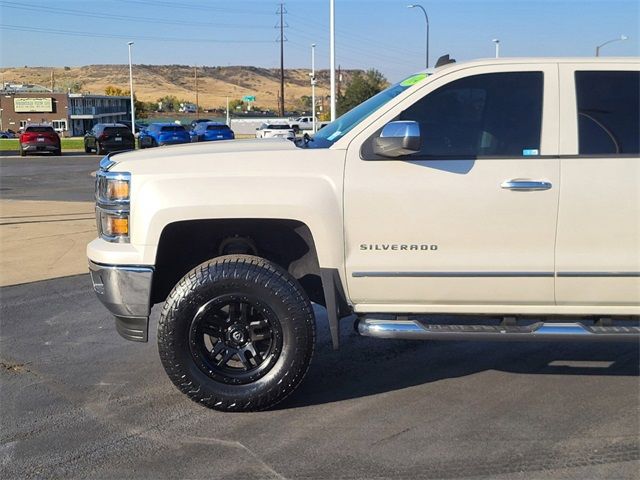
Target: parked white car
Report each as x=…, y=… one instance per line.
x=275, y=130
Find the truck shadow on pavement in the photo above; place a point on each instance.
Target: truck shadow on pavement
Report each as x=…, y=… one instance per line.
x=364, y=367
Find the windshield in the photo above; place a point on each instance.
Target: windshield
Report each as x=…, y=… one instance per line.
x=172, y=128
x=328, y=135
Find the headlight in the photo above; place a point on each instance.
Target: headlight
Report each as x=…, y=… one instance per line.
x=113, y=225
x=112, y=205
x=112, y=187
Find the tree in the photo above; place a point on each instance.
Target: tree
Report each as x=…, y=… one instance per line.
x=170, y=103
x=305, y=102
x=115, y=91
x=234, y=104
x=361, y=88
x=142, y=108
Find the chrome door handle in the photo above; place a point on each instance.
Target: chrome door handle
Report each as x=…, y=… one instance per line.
x=526, y=185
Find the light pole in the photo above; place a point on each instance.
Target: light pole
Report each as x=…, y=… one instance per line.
x=332, y=56
x=619, y=39
x=497, y=42
x=426, y=17
x=313, y=87
x=133, y=107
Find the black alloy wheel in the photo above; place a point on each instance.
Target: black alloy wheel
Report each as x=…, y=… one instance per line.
x=235, y=339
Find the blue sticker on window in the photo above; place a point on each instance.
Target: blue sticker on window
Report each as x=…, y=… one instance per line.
x=530, y=151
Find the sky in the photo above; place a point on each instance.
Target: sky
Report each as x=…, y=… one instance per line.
x=381, y=34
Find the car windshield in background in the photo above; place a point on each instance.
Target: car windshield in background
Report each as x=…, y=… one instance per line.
x=220, y=128
x=172, y=128
x=278, y=127
x=40, y=129
x=338, y=128
x=120, y=130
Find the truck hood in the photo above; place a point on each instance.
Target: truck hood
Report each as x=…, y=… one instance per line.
x=161, y=158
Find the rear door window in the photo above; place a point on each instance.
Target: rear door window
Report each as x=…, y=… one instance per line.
x=608, y=112
x=123, y=131
x=40, y=130
x=493, y=114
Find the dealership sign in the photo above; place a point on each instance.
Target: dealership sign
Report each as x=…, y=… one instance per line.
x=23, y=105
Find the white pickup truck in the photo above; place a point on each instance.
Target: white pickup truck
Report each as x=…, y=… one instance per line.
x=505, y=190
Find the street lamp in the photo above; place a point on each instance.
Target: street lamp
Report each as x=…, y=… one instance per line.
x=426, y=17
x=133, y=107
x=619, y=39
x=313, y=87
x=497, y=42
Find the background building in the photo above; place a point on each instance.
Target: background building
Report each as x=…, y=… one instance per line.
x=87, y=110
x=71, y=114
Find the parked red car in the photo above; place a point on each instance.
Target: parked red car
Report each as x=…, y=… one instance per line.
x=39, y=138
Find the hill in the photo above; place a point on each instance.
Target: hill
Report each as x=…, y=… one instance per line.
x=151, y=82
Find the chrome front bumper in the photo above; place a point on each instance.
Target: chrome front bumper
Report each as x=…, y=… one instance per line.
x=126, y=292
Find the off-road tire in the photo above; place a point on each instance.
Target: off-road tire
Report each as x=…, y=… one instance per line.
x=87, y=149
x=251, y=277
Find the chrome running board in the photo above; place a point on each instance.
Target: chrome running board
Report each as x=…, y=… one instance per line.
x=543, y=331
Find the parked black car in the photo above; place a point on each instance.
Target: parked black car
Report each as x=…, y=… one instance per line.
x=139, y=125
x=199, y=120
x=109, y=137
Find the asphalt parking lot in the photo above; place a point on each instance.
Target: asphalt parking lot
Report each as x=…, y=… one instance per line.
x=80, y=402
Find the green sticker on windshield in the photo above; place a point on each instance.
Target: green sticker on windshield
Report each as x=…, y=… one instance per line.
x=412, y=80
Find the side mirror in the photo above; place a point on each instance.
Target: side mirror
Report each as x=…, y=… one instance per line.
x=398, y=139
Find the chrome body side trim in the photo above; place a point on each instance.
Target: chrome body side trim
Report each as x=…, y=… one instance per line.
x=598, y=274
x=126, y=292
x=491, y=274
x=450, y=274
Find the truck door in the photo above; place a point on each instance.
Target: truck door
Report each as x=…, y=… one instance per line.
x=470, y=219
x=598, y=247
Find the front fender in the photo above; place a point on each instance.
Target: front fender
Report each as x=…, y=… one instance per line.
x=308, y=192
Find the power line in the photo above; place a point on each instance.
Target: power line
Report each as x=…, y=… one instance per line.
x=199, y=7
x=21, y=28
x=126, y=18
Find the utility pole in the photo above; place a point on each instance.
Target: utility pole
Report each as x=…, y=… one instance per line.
x=133, y=105
x=53, y=82
x=228, y=117
x=313, y=87
x=281, y=12
x=497, y=43
x=195, y=74
x=332, y=57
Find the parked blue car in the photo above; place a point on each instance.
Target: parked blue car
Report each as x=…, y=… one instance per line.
x=211, y=131
x=158, y=134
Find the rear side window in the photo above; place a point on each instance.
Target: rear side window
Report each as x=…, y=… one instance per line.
x=40, y=129
x=494, y=114
x=120, y=130
x=278, y=127
x=172, y=128
x=219, y=128
x=608, y=112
